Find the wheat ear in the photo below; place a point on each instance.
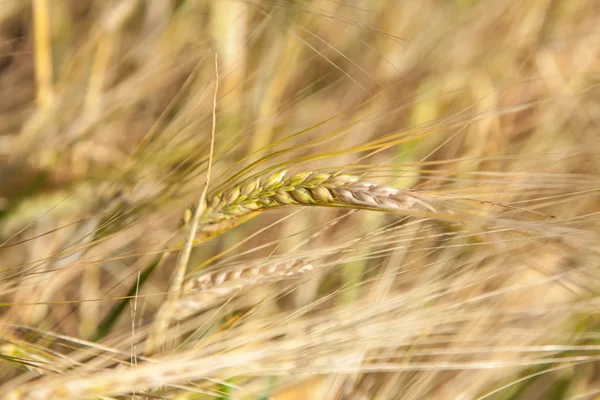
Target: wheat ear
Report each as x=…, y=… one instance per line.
x=305, y=189
x=201, y=291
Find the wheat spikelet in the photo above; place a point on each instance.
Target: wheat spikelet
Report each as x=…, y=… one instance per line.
x=202, y=290
x=305, y=189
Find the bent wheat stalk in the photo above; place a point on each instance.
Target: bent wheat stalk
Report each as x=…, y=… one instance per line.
x=305, y=189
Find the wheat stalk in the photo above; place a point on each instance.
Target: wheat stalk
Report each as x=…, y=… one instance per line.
x=305, y=189
x=169, y=308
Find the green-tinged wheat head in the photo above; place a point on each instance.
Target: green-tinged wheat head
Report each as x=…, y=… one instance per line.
x=305, y=189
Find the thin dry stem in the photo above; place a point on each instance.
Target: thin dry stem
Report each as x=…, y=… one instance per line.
x=158, y=337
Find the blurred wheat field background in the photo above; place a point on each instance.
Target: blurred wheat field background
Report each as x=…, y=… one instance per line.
x=402, y=199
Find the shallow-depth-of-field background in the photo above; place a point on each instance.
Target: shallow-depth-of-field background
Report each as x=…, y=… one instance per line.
x=402, y=199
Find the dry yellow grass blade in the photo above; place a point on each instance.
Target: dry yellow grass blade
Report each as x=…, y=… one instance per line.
x=43, y=49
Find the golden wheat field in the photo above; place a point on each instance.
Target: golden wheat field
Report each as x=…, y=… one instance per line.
x=300, y=199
